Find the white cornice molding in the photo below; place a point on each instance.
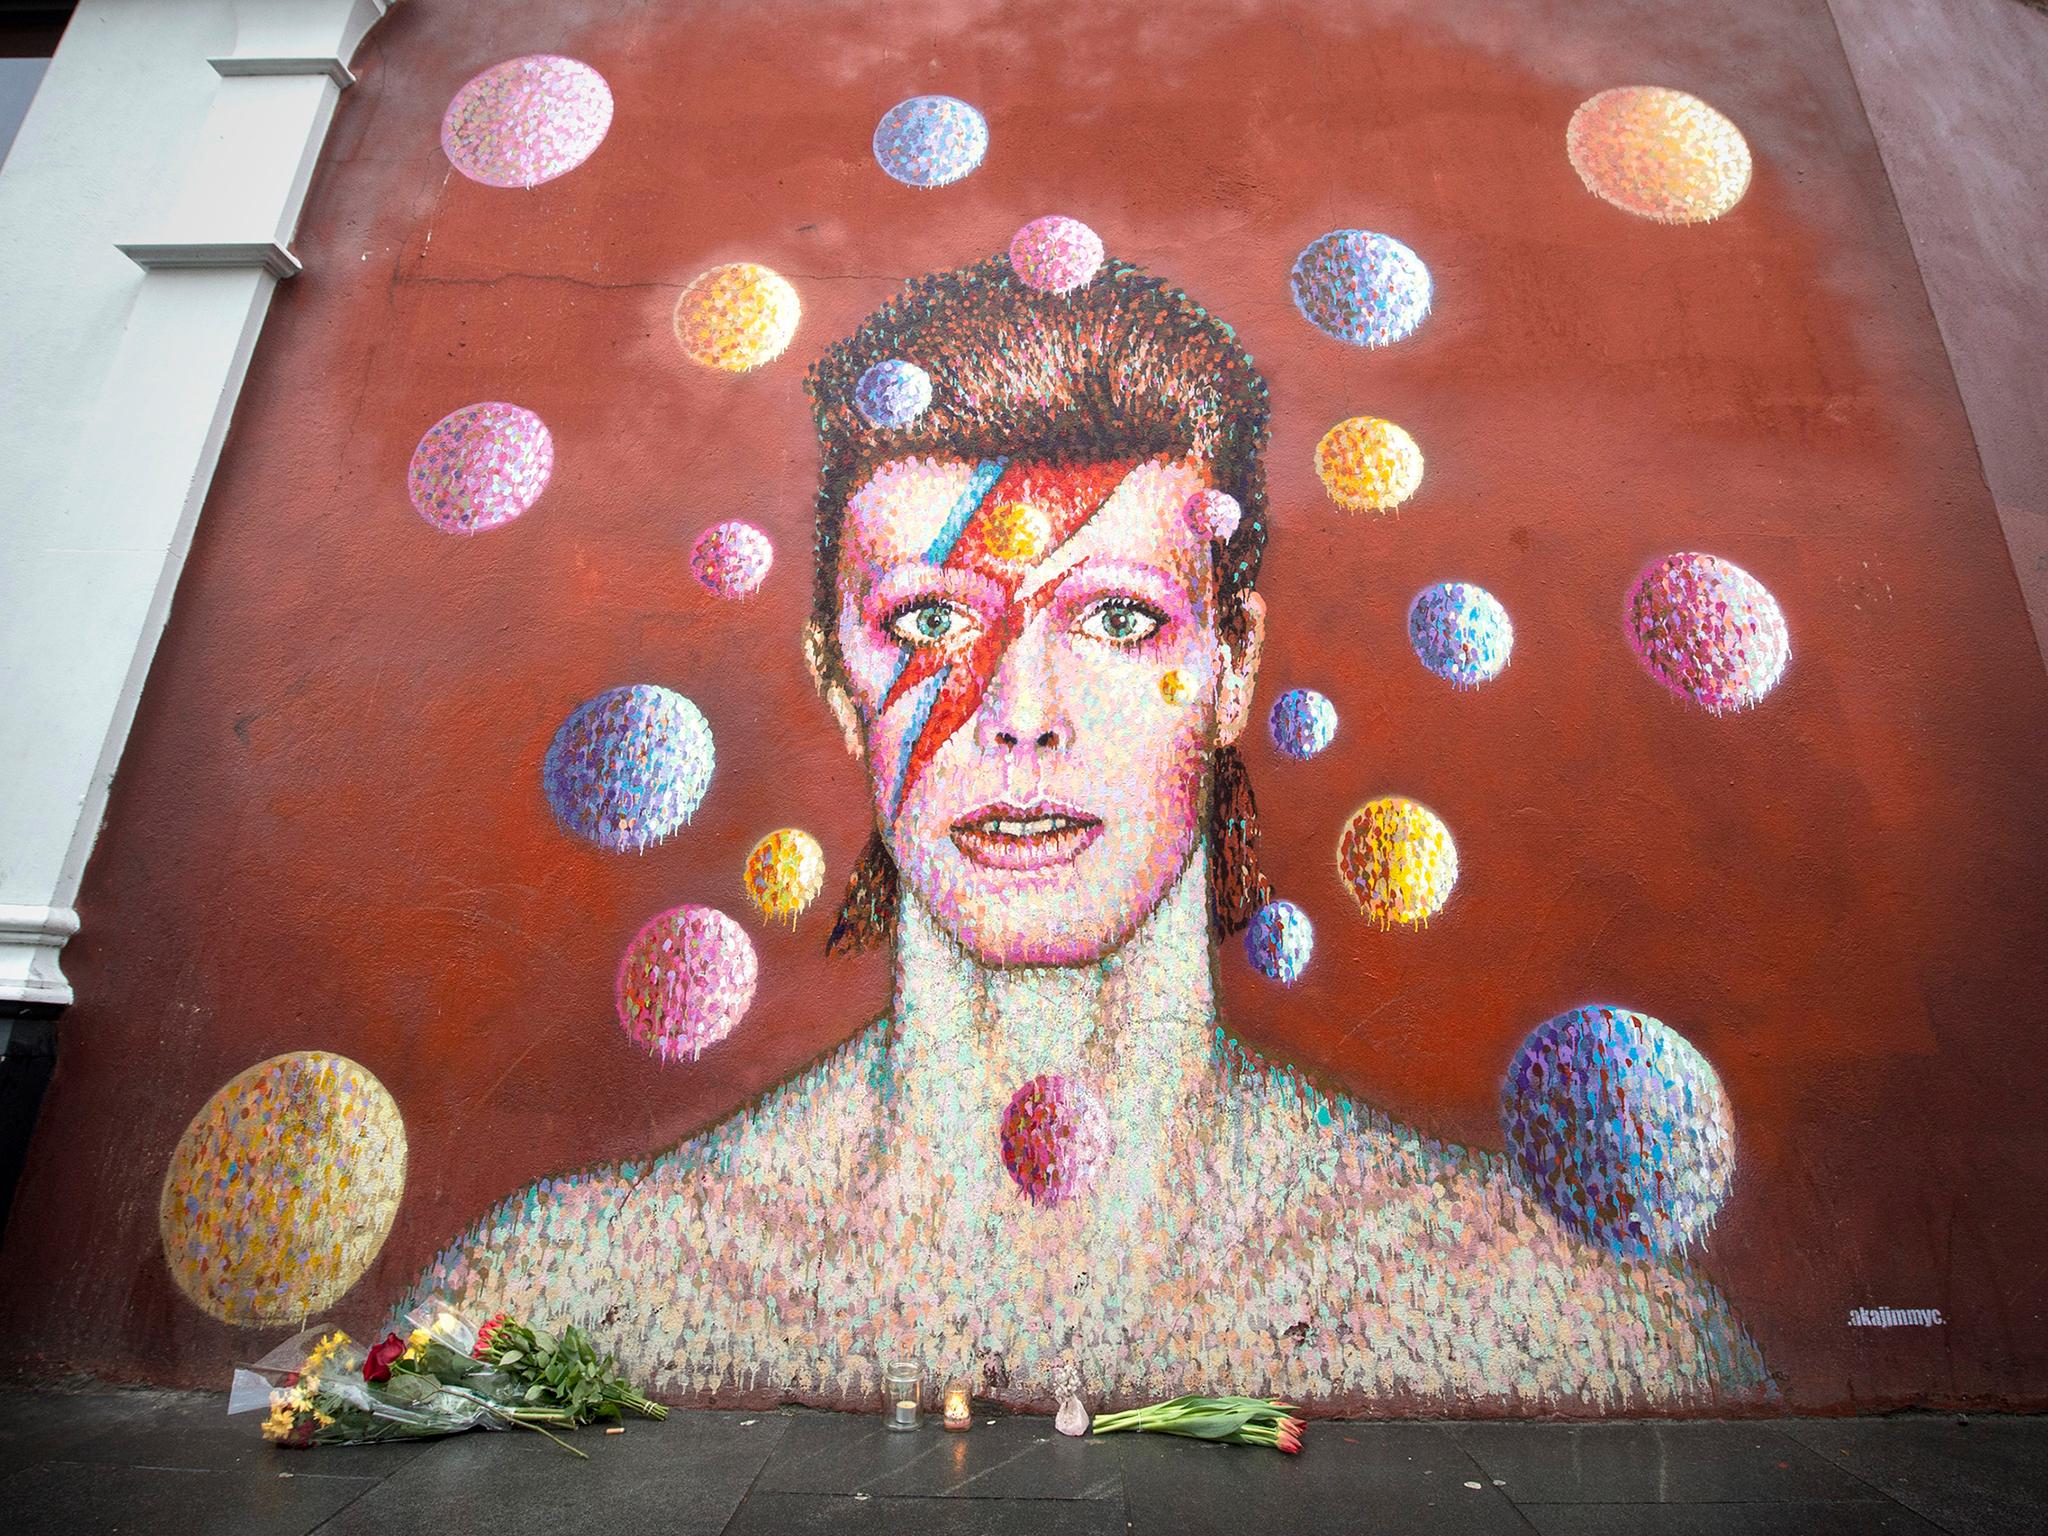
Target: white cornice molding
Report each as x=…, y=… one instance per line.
x=160, y=366
x=266, y=255
x=236, y=66
x=30, y=938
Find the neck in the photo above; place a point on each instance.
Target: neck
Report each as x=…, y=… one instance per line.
x=1148, y=1007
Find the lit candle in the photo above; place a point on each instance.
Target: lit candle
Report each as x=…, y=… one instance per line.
x=903, y=1392
x=959, y=1411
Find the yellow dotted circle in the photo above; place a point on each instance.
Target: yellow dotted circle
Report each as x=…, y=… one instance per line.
x=283, y=1188
x=1397, y=860
x=785, y=873
x=1174, y=687
x=1659, y=153
x=1017, y=532
x=736, y=317
x=1368, y=465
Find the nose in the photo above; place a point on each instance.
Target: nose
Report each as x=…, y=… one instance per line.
x=1024, y=707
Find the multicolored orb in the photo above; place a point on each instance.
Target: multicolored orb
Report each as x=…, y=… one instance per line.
x=736, y=317
x=283, y=1188
x=731, y=559
x=1460, y=632
x=1356, y=286
x=892, y=393
x=685, y=982
x=929, y=141
x=629, y=767
x=1279, y=941
x=1215, y=514
x=1621, y=1128
x=1708, y=630
x=1054, y=1138
x=1368, y=465
x=1174, y=686
x=785, y=873
x=1056, y=254
x=1397, y=860
x=480, y=466
x=1659, y=154
x=527, y=121
x=1302, y=723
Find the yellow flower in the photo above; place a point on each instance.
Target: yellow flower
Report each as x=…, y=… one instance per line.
x=419, y=1338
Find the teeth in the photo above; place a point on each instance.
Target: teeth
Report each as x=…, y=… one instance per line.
x=1039, y=826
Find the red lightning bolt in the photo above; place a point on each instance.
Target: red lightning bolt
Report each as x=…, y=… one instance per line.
x=1069, y=498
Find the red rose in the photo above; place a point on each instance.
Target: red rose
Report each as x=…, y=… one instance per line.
x=377, y=1364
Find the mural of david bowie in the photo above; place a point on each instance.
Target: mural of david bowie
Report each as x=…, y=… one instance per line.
x=1044, y=661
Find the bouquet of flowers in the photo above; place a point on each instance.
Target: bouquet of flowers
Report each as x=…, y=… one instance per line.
x=444, y=1377
x=1236, y=1420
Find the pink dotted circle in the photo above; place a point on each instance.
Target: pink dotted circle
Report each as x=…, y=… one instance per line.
x=1215, y=514
x=686, y=980
x=480, y=466
x=1056, y=254
x=1055, y=1139
x=732, y=559
x=527, y=121
x=1708, y=630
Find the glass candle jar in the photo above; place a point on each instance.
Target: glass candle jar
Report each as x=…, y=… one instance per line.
x=959, y=1407
x=903, y=1395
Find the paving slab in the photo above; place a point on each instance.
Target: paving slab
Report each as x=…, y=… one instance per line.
x=1975, y=1477
x=682, y=1477
x=36, y=1426
x=1833, y=1517
x=1011, y=1456
x=774, y=1514
x=1350, y=1478
x=193, y=1430
x=59, y=1498
x=1660, y=1463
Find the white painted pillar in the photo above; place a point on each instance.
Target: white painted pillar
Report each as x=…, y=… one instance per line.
x=146, y=213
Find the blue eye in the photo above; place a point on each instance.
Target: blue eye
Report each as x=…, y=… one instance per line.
x=933, y=623
x=1122, y=621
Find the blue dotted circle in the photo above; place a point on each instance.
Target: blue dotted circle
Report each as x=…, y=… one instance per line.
x=1303, y=722
x=1460, y=632
x=1279, y=941
x=1621, y=1127
x=928, y=141
x=629, y=767
x=892, y=393
x=1360, y=287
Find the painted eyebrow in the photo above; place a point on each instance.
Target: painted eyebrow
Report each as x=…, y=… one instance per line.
x=920, y=578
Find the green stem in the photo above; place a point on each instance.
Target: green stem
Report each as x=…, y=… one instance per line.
x=526, y=1423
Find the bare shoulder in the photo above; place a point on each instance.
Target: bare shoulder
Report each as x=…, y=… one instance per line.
x=1433, y=1241
x=607, y=1231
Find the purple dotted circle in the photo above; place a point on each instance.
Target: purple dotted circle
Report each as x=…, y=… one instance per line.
x=731, y=559
x=481, y=466
x=527, y=121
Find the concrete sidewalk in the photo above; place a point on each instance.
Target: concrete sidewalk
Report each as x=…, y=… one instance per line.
x=172, y=1464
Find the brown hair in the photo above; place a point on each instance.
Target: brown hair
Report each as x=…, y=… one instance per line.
x=1125, y=367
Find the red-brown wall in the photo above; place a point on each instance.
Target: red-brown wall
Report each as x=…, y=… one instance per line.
x=328, y=831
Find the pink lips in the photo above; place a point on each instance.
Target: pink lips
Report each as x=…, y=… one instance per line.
x=1024, y=838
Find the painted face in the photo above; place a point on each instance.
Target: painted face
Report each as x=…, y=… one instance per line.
x=1035, y=665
